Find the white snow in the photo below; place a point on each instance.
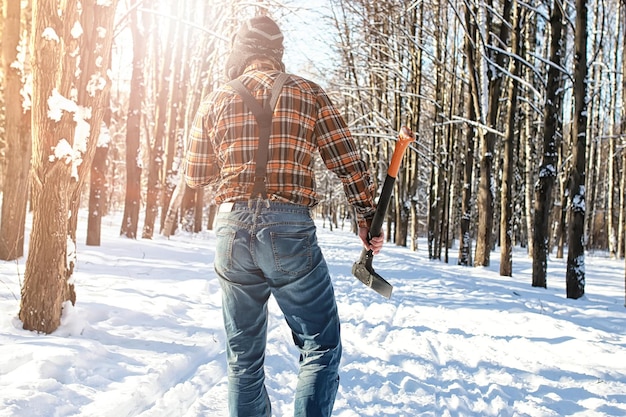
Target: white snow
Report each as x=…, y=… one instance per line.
x=50, y=34
x=96, y=84
x=63, y=151
x=57, y=104
x=145, y=337
x=77, y=30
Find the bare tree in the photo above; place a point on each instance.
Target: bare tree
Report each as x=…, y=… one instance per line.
x=575, y=275
x=485, y=201
x=15, y=195
x=98, y=185
x=552, y=136
x=139, y=23
x=93, y=86
x=473, y=109
x=506, y=193
x=61, y=133
x=438, y=174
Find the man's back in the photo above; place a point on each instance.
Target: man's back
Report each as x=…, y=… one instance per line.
x=304, y=122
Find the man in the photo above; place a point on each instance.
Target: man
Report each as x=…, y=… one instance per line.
x=266, y=238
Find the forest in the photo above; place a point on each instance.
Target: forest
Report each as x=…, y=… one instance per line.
x=518, y=109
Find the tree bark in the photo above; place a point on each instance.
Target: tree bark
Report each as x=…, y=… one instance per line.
x=575, y=274
x=93, y=85
x=621, y=221
x=506, y=191
x=46, y=285
x=132, y=201
x=63, y=126
x=436, y=198
x=553, y=134
x=473, y=109
x=15, y=190
x=179, y=79
x=98, y=189
x=156, y=148
x=485, y=201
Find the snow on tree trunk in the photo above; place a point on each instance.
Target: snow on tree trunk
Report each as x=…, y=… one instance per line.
x=465, y=239
x=46, y=280
x=552, y=136
x=575, y=275
x=486, y=192
x=508, y=180
x=63, y=145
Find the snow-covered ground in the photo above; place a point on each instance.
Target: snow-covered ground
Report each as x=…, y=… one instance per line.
x=145, y=337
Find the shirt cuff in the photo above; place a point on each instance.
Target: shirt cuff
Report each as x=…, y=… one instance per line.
x=363, y=221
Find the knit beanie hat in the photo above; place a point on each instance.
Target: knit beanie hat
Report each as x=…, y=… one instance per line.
x=258, y=37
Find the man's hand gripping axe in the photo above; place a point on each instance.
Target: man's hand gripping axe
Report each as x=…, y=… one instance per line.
x=362, y=269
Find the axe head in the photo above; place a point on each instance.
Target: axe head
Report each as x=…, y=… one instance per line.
x=363, y=270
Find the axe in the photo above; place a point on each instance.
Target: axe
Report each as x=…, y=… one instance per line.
x=362, y=269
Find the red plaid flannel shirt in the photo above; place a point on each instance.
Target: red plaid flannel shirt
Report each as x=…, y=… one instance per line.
x=224, y=138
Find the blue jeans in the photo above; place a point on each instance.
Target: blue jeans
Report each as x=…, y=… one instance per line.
x=262, y=251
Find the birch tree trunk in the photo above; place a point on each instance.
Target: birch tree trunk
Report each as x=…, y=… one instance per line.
x=612, y=183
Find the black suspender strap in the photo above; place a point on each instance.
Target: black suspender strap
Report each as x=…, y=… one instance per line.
x=263, y=116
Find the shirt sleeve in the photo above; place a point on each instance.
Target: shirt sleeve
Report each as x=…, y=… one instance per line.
x=200, y=164
x=339, y=153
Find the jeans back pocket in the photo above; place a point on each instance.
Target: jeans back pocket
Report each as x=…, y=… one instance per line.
x=292, y=252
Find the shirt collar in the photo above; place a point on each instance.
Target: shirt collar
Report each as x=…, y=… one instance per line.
x=260, y=66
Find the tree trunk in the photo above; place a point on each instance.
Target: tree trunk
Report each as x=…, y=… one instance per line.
x=435, y=206
x=173, y=140
x=171, y=218
x=553, y=134
x=485, y=201
x=415, y=87
x=64, y=126
x=15, y=190
x=93, y=85
x=46, y=285
x=465, y=238
x=612, y=183
x=506, y=192
x=621, y=226
x=155, y=160
x=575, y=275
x=530, y=130
x=98, y=188
x=621, y=221
x=132, y=202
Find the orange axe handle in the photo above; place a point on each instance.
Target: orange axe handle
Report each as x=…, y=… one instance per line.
x=405, y=138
